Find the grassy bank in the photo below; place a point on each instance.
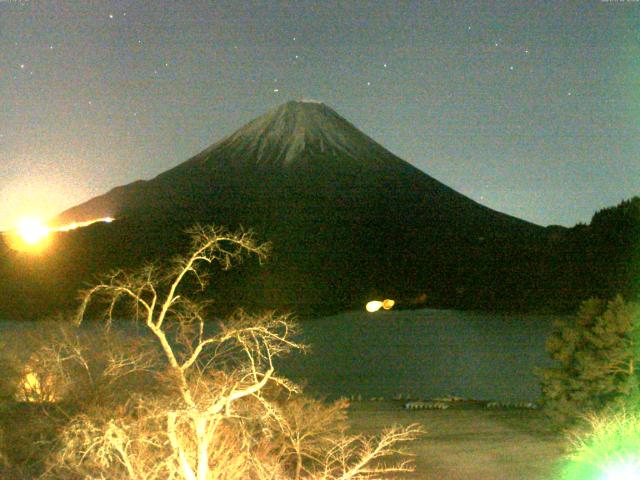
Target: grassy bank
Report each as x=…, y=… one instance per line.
x=470, y=442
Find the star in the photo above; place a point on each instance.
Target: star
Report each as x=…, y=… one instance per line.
x=511, y=68
x=22, y=66
x=385, y=65
x=111, y=16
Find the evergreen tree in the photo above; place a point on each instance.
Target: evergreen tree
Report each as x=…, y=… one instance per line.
x=596, y=352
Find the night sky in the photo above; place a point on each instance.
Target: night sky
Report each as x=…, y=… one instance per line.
x=531, y=108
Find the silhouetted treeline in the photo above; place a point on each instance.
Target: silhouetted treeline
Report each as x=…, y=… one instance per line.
x=601, y=259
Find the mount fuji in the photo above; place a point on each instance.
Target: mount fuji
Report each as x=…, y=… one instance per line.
x=348, y=220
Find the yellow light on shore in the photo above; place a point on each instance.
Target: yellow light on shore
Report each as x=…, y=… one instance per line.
x=375, y=305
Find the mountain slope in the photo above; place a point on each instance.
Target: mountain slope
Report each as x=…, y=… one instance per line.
x=348, y=220
x=297, y=144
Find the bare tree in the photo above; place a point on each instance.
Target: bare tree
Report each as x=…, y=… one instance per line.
x=223, y=413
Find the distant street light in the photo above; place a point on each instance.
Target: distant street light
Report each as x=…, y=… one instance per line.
x=375, y=305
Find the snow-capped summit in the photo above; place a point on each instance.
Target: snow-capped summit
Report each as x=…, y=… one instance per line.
x=295, y=132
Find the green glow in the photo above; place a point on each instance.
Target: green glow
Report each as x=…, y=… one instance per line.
x=609, y=451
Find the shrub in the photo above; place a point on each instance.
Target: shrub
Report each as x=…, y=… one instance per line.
x=9, y=373
x=596, y=354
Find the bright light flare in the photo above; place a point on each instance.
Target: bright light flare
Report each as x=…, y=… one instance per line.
x=375, y=305
x=623, y=471
x=32, y=231
x=33, y=235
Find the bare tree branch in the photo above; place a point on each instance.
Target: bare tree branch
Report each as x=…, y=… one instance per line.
x=225, y=413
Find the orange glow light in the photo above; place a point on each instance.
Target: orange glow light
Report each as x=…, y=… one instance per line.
x=375, y=305
x=33, y=235
x=76, y=225
x=32, y=231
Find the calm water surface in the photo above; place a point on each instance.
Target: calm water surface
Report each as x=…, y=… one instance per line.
x=422, y=353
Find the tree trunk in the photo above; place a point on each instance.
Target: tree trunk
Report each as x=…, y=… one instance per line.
x=203, y=448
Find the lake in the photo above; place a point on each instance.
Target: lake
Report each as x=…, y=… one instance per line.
x=424, y=353
x=420, y=353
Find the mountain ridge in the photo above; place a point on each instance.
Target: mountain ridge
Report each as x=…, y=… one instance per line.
x=282, y=141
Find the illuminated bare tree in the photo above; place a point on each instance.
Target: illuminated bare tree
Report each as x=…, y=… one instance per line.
x=223, y=410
